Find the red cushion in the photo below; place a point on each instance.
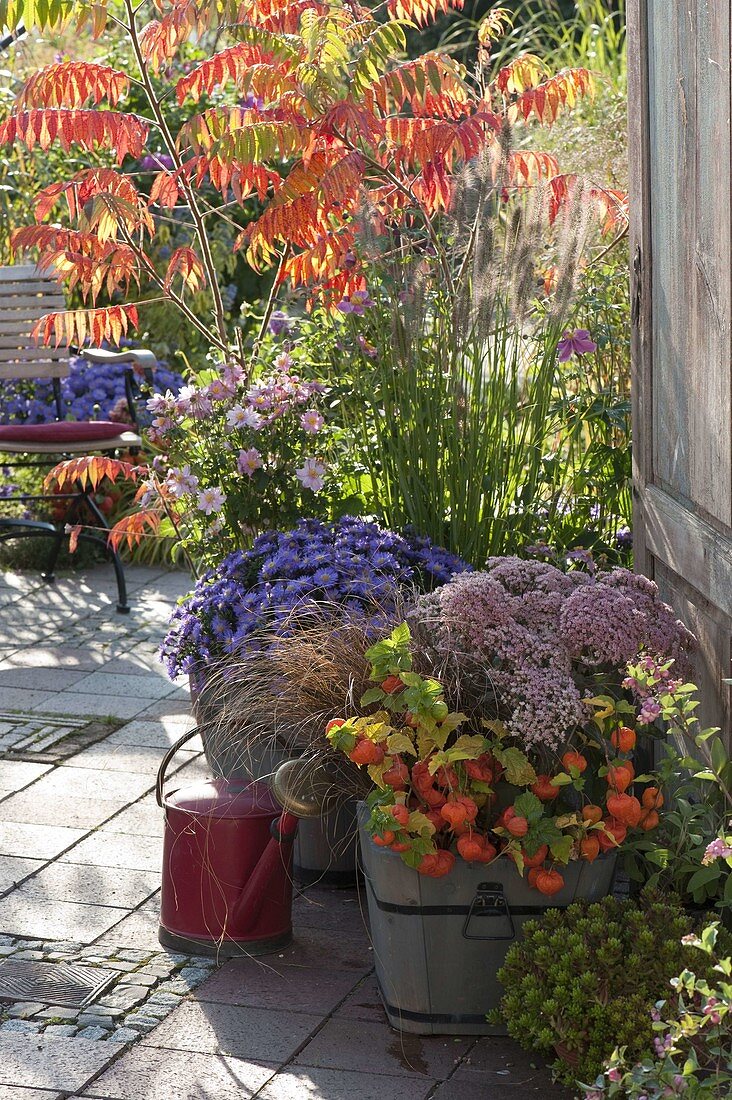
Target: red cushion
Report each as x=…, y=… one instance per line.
x=61, y=431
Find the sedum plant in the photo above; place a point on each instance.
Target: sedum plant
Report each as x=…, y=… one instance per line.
x=584, y=981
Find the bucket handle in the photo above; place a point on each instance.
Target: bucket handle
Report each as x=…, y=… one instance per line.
x=166, y=760
x=489, y=901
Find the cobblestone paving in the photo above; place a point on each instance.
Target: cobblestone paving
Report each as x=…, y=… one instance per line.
x=80, y=856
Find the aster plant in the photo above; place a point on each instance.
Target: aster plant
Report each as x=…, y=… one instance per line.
x=350, y=567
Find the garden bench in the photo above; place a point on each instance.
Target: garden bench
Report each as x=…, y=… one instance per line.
x=25, y=296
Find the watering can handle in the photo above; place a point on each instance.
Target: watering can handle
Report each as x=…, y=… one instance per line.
x=166, y=760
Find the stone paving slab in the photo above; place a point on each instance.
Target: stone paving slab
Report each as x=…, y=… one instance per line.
x=58, y=1063
x=376, y=1048
x=105, y=848
x=250, y=1033
x=15, y=868
x=44, y=841
x=24, y=915
x=261, y=983
x=150, y=1074
x=313, y=1084
x=115, y=886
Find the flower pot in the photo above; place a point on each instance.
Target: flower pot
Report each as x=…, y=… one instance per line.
x=325, y=848
x=439, y=943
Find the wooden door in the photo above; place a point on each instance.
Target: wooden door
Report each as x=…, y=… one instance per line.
x=681, y=184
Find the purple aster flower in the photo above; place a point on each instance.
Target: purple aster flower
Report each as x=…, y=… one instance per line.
x=578, y=342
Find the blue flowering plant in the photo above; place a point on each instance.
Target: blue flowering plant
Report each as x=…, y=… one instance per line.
x=91, y=391
x=353, y=566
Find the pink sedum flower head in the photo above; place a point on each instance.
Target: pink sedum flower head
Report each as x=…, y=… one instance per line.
x=242, y=416
x=249, y=461
x=211, y=500
x=311, y=474
x=311, y=421
x=357, y=303
x=578, y=342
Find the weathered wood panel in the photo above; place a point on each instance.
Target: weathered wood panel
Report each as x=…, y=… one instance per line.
x=681, y=173
x=25, y=296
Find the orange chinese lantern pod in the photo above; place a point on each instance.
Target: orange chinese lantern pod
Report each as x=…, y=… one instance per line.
x=625, y=808
x=650, y=820
x=614, y=834
x=652, y=798
x=470, y=847
x=574, y=760
x=590, y=848
x=549, y=881
x=620, y=776
x=591, y=814
x=533, y=875
x=538, y=858
x=391, y=685
x=386, y=838
x=623, y=739
x=544, y=789
x=517, y=826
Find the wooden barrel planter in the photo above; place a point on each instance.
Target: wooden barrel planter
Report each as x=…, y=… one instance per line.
x=439, y=943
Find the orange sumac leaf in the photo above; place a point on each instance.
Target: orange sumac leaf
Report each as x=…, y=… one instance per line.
x=164, y=190
x=73, y=326
x=125, y=133
x=186, y=263
x=133, y=528
x=91, y=469
x=72, y=84
x=422, y=11
x=73, y=532
x=83, y=186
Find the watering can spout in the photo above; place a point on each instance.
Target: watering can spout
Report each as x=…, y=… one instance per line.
x=302, y=788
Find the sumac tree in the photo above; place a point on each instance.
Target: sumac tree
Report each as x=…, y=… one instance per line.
x=310, y=105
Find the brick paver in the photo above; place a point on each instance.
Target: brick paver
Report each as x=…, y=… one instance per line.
x=80, y=855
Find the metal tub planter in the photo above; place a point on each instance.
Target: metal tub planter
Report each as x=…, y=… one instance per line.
x=439, y=943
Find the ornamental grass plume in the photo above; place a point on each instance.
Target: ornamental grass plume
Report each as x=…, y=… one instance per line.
x=542, y=634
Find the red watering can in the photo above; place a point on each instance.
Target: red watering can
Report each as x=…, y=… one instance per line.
x=227, y=859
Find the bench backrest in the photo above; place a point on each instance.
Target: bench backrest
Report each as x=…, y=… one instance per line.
x=25, y=296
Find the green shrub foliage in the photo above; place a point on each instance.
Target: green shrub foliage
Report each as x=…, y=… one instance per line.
x=583, y=981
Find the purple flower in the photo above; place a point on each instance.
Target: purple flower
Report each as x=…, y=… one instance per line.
x=578, y=342
x=357, y=303
x=155, y=162
x=718, y=849
x=211, y=499
x=249, y=461
x=286, y=572
x=279, y=322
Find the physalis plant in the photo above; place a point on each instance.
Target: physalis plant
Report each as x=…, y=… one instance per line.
x=442, y=792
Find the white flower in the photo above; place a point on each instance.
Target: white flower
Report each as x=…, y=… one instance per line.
x=182, y=481
x=211, y=500
x=242, y=416
x=311, y=474
x=283, y=361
